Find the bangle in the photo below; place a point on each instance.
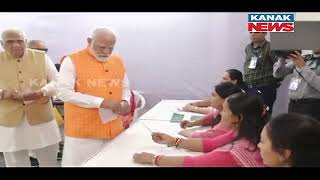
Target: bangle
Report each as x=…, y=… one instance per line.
x=176, y=144
x=156, y=160
x=175, y=141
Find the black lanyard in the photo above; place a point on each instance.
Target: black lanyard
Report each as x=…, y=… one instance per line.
x=295, y=68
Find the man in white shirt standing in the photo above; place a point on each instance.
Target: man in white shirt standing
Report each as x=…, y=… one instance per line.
x=95, y=88
x=28, y=79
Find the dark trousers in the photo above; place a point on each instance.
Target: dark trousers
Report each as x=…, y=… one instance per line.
x=268, y=94
x=306, y=106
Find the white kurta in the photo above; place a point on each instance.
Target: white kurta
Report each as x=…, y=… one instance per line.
x=36, y=136
x=77, y=150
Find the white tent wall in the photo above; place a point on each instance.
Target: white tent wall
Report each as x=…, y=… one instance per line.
x=167, y=55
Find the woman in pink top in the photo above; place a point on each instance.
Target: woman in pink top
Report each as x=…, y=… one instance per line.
x=220, y=93
x=237, y=148
x=291, y=140
x=203, y=107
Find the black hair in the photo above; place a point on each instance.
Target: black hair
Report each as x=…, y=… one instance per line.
x=224, y=90
x=298, y=133
x=250, y=107
x=237, y=75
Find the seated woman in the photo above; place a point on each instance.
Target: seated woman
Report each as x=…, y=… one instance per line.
x=237, y=148
x=221, y=92
x=291, y=140
x=203, y=107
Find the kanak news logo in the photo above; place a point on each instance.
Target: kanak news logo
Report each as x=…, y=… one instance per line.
x=271, y=22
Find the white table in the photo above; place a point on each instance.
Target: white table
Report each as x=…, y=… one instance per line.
x=137, y=138
x=165, y=108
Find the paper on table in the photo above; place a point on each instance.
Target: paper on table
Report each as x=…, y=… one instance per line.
x=151, y=131
x=106, y=115
x=180, y=109
x=177, y=118
x=195, y=117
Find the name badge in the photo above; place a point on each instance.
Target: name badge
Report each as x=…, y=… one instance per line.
x=294, y=83
x=253, y=63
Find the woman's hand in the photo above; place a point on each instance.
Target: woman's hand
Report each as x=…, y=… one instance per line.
x=186, y=133
x=162, y=138
x=185, y=124
x=143, y=158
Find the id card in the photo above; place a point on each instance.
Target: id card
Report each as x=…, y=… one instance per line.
x=294, y=83
x=253, y=63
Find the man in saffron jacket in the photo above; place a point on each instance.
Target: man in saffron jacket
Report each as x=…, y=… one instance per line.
x=91, y=80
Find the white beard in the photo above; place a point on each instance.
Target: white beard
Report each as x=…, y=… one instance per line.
x=101, y=59
x=97, y=57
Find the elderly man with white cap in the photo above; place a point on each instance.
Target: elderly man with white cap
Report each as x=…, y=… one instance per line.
x=28, y=79
x=95, y=88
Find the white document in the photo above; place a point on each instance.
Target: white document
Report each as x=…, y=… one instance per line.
x=106, y=115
